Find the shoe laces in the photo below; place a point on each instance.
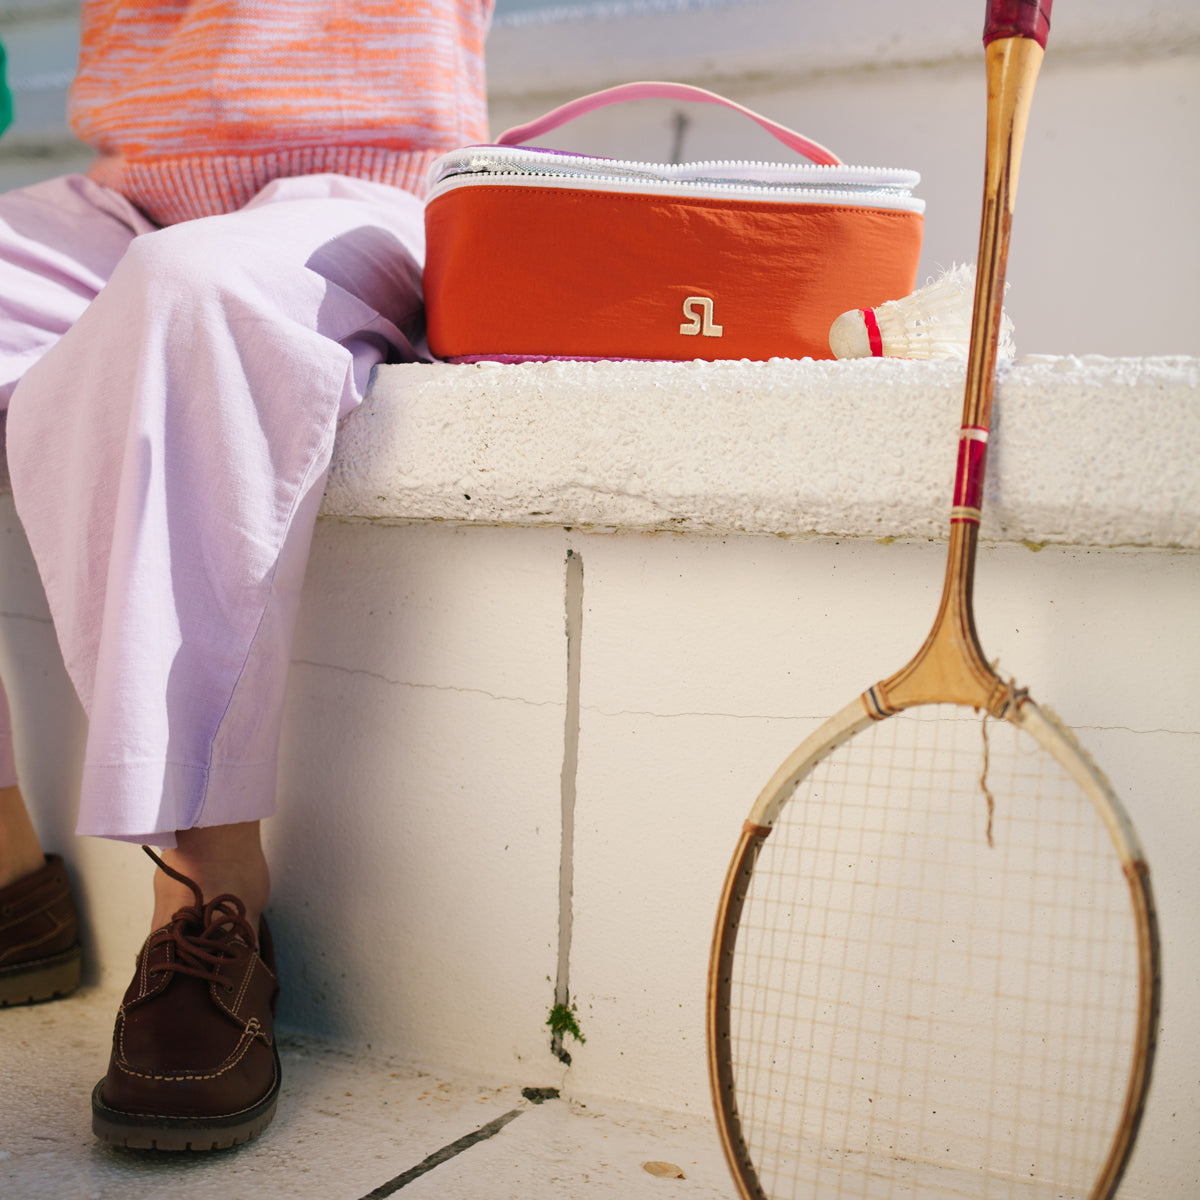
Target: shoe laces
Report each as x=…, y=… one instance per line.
x=203, y=935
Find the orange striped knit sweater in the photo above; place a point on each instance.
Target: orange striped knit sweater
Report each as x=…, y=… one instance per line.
x=194, y=105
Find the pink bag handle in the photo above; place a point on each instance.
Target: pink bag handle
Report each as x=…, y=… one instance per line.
x=663, y=91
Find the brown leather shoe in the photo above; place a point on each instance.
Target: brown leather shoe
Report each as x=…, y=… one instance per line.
x=194, y=1064
x=39, y=937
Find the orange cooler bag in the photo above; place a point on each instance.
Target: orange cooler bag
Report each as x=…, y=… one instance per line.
x=534, y=254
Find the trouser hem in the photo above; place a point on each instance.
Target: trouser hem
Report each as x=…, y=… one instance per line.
x=189, y=796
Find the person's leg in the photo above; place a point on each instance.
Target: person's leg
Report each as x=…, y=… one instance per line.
x=39, y=929
x=168, y=459
x=20, y=850
x=59, y=241
x=218, y=859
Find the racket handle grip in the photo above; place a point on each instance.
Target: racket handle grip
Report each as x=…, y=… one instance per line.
x=1018, y=18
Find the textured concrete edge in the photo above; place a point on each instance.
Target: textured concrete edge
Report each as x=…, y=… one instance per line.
x=1085, y=451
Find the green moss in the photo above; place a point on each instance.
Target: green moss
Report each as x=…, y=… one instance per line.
x=562, y=1022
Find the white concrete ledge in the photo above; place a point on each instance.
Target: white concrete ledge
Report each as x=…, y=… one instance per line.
x=1085, y=451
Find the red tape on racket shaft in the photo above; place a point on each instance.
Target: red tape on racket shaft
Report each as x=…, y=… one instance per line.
x=1018, y=18
x=968, y=479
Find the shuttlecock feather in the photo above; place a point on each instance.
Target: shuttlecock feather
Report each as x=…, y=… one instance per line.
x=932, y=322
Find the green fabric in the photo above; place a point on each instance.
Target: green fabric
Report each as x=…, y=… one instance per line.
x=5, y=97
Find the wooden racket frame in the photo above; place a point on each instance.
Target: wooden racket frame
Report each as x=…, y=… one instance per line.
x=1057, y=740
x=950, y=666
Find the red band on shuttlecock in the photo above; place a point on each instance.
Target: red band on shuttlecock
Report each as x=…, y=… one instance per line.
x=968, y=479
x=873, y=334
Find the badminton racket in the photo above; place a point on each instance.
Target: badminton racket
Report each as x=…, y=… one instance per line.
x=935, y=964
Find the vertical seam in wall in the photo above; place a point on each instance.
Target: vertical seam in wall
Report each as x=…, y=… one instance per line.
x=573, y=589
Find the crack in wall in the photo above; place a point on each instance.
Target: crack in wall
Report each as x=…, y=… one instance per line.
x=573, y=619
x=688, y=714
x=1131, y=729
x=574, y=708
x=432, y=687
x=724, y=716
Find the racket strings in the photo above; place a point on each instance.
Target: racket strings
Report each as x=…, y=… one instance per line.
x=913, y=1006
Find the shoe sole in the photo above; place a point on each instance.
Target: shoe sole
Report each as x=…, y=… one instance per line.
x=42, y=979
x=145, y=1131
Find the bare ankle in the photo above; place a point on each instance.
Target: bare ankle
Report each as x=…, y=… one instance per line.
x=218, y=859
x=20, y=850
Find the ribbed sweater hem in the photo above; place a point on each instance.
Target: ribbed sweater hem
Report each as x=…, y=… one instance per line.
x=170, y=190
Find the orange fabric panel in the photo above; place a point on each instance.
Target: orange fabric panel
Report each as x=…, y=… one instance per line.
x=518, y=270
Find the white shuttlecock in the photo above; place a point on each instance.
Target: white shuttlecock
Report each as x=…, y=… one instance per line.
x=932, y=322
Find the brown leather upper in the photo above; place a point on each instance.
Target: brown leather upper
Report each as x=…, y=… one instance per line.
x=37, y=915
x=195, y=1032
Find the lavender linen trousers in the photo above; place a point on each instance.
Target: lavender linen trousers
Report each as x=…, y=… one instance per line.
x=172, y=399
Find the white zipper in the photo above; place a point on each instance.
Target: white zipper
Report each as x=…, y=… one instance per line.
x=500, y=166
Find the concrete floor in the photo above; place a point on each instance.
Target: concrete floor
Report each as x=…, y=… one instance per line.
x=350, y=1127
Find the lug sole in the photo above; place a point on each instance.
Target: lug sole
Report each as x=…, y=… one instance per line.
x=145, y=1131
x=42, y=979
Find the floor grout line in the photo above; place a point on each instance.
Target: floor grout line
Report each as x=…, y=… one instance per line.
x=453, y=1150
